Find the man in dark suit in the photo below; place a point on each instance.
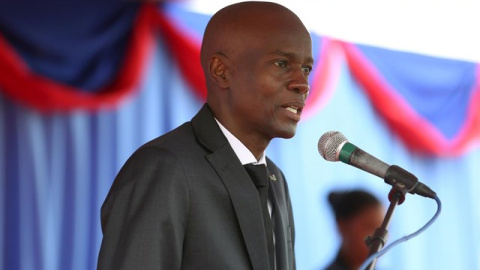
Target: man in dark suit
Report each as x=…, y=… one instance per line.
x=184, y=200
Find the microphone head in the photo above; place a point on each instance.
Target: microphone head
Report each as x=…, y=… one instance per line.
x=329, y=145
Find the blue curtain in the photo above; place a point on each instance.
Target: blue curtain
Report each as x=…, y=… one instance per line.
x=56, y=169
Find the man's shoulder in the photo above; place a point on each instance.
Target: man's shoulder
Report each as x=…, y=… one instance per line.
x=187, y=131
x=173, y=137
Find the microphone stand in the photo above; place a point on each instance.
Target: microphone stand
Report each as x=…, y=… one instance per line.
x=379, y=238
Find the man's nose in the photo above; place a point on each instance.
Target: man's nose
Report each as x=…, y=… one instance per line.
x=299, y=83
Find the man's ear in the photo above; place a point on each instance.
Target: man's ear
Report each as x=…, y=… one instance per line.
x=219, y=70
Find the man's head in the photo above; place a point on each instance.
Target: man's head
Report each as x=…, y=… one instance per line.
x=256, y=57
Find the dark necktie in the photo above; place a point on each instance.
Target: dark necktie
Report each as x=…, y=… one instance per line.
x=258, y=174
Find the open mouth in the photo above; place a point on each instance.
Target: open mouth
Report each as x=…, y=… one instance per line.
x=292, y=109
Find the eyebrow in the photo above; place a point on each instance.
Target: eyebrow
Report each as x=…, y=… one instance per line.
x=291, y=55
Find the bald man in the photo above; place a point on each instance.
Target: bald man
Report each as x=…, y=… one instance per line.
x=184, y=200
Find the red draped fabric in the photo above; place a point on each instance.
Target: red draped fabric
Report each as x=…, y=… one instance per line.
x=325, y=76
x=417, y=133
x=46, y=95
x=186, y=52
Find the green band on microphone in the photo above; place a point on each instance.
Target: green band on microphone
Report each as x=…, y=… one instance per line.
x=346, y=152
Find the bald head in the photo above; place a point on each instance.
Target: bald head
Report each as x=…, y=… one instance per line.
x=237, y=26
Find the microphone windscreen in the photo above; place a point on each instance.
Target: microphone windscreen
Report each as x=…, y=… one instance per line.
x=329, y=143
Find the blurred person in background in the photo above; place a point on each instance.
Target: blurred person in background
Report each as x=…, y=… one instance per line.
x=358, y=214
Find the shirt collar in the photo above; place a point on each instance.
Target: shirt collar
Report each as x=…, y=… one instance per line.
x=240, y=149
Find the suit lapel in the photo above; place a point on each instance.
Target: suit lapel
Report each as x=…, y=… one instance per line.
x=243, y=193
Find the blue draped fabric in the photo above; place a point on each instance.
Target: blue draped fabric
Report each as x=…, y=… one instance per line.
x=446, y=84
x=56, y=169
x=81, y=43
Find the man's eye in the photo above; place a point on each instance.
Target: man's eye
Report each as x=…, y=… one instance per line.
x=307, y=70
x=281, y=63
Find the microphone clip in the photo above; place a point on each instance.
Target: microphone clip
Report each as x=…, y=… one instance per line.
x=401, y=179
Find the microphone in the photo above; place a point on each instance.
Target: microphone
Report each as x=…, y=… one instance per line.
x=334, y=146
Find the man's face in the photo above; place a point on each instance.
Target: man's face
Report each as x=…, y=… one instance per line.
x=269, y=81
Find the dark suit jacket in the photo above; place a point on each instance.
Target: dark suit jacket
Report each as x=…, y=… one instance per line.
x=184, y=201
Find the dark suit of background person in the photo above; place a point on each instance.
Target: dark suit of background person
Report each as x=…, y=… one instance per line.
x=184, y=200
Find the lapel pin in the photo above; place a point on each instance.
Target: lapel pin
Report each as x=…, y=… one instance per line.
x=272, y=177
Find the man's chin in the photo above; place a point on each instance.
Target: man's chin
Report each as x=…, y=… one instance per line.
x=287, y=133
